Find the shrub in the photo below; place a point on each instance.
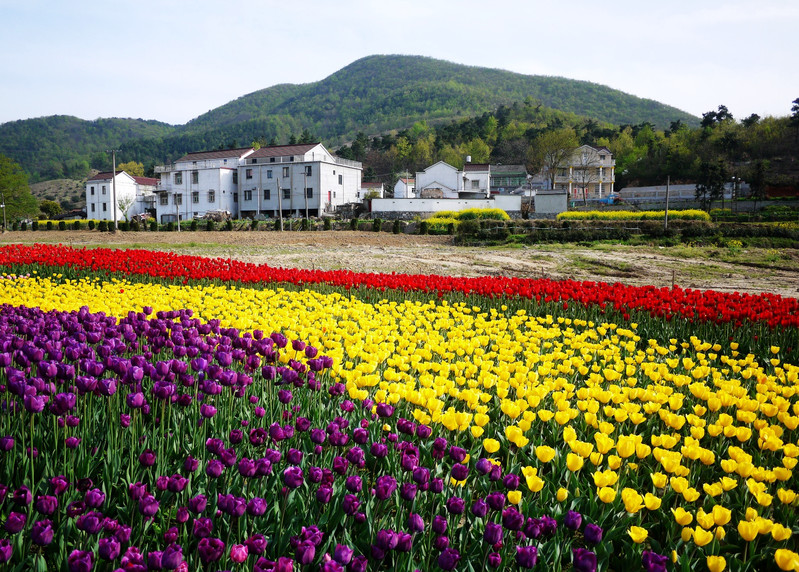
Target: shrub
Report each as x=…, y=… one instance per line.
x=396, y=227
x=690, y=214
x=305, y=224
x=62, y=225
x=328, y=224
x=354, y=223
x=170, y=226
x=424, y=227
x=92, y=225
x=153, y=226
x=277, y=223
x=193, y=225
x=482, y=214
x=35, y=225
x=49, y=225
x=229, y=225
x=102, y=226
x=134, y=225
x=76, y=225
x=468, y=228
x=24, y=226
x=377, y=225
x=253, y=224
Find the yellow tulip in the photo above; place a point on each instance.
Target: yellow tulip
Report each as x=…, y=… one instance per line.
x=786, y=559
x=544, y=453
x=562, y=494
x=780, y=532
x=659, y=480
x=491, y=445
x=606, y=494
x=748, y=530
x=687, y=533
x=702, y=537
x=716, y=563
x=721, y=515
x=652, y=502
x=638, y=534
x=682, y=516
x=514, y=497
x=574, y=462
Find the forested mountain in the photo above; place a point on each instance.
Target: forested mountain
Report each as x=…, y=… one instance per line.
x=373, y=95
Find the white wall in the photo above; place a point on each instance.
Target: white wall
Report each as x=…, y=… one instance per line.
x=504, y=202
x=441, y=176
x=99, y=206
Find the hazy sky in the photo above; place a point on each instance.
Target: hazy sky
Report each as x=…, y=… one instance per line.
x=173, y=60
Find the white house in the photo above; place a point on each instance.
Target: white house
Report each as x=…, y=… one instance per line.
x=198, y=183
x=405, y=188
x=440, y=180
x=374, y=190
x=590, y=173
x=477, y=179
x=133, y=195
x=296, y=179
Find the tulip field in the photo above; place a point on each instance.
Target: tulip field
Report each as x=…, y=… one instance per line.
x=168, y=412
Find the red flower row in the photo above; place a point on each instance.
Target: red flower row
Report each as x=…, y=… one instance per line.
x=668, y=303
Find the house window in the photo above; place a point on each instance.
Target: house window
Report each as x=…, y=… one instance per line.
x=248, y=174
x=271, y=159
x=235, y=177
x=308, y=170
x=285, y=171
x=105, y=207
x=334, y=194
x=177, y=199
x=178, y=178
x=269, y=174
x=92, y=189
x=601, y=157
x=267, y=194
x=253, y=161
x=341, y=179
x=247, y=195
x=235, y=197
x=103, y=189
x=163, y=199
x=286, y=193
x=291, y=159
x=475, y=184
x=309, y=193
x=93, y=207
x=211, y=196
x=195, y=177
x=195, y=197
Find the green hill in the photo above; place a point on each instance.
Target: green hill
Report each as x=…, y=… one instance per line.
x=373, y=95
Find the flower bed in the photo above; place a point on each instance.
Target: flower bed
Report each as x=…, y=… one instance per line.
x=165, y=426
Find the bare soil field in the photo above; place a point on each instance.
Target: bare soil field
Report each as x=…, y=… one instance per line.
x=743, y=270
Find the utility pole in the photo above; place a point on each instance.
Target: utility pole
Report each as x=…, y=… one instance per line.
x=177, y=207
x=280, y=203
x=305, y=192
x=114, y=185
x=3, y=199
x=666, y=218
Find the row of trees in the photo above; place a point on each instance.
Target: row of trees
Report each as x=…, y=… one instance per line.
x=755, y=149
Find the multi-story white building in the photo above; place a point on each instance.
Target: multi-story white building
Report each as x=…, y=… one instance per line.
x=590, y=173
x=199, y=183
x=133, y=195
x=405, y=188
x=296, y=179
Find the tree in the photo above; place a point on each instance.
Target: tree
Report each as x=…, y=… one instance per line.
x=51, y=209
x=710, y=183
x=124, y=204
x=132, y=168
x=16, y=193
x=757, y=180
x=551, y=151
x=585, y=171
x=795, y=115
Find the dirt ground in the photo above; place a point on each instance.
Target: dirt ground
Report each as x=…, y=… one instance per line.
x=411, y=254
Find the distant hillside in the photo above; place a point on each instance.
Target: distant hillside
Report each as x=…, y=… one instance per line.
x=373, y=95
x=64, y=146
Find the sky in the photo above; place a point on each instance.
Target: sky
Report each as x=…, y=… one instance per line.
x=173, y=60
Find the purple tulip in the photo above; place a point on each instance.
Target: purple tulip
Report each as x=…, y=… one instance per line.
x=495, y=501
x=385, y=487
x=76, y=508
x=408, y=491
x=584, y=560
x=42, y=532
x=292, y=477
x=123, y=533
x=343, y=554
x=483, y=466
x=198, y=503
x=202, y=527
x=460, y=472
x=378, y=450
x=573, y=520
x=214, y=468
x=147, y=458
x=46, y=505
x=210, y=549
x=59, y=485
x=294, y=456
x=494, y=560
x=455, y=505
x=526, y=556
x=305, y=552
x=436, y=485
x=154, y=558
x=256, y=507
x=6, y=443
x=256, y=543
x=137, y=490
x=94, y=498
x=6, y=550
x=512, y=519
x=439, y=524
x=479, y=508
x=511, y=481
x=415, y=523
x=148, y=506
x=15, y=522
x=172, y=556
x=135, y=400
x=207, y=411
x=80, y=561
x=654, y=562
x=34, y=403
x=22, y=496
x=448, y=559
x=91, y=522
x=350, y=504
x=592, y=533
x=108, y=549
x=493, y=533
